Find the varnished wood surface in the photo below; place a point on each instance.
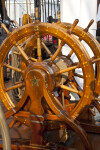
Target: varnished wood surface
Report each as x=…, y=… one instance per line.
x=39, y=81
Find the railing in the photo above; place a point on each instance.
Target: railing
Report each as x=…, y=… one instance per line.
x=16, y=9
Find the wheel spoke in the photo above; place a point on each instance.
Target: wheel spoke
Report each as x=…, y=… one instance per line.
x=73, y=26
x=14, y=87
x=57, y=51
x=72, y=85
x=75, y=88
x=67, y=69
x=71, y=52
x=97, y=99
x=11, y=67
x=12, y=123
x=78, y=75
x=96, y=60
x=89, y=25
x=33, y=59
x=5, y=28
x=70, y=106
x=16, y=53
x=46, y=49
x=68, y=88
x=18, y=82
x=22, y=51
x=39, y=49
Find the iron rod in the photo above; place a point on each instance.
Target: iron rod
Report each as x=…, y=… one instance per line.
x=9, y=8
x=40, y=10
x=54, y=10
x=45, y=9
x=48, y=17
x=27, y=11
x=48, y=9
x=51, y=7
x=14, y=10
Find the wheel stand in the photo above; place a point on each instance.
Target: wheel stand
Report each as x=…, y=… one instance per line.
x=35, y=123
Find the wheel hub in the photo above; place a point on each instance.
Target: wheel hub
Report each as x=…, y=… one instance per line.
x=35, y=76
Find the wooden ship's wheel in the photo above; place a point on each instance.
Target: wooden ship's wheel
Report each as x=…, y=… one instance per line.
x=43, y=79
x=51, y=98
x=83, y=35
